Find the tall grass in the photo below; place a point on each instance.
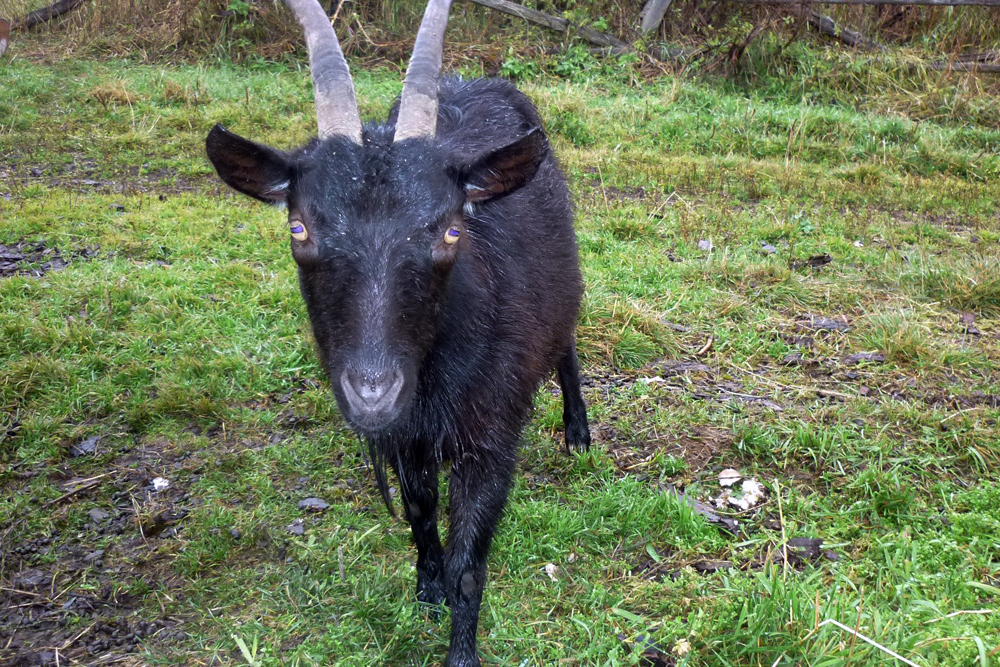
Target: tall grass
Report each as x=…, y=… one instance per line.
x=235, y=29
x=242, y=29
x=968, y=283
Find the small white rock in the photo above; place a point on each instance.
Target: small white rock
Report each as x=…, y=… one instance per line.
x=729, y=476
x=551, y=570
x=159, y=484
x=753, y=492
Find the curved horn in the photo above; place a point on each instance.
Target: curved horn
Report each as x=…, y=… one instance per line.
x=419, y=99
x=336, y=106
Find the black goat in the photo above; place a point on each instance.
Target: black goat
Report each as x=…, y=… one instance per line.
x=440, y=274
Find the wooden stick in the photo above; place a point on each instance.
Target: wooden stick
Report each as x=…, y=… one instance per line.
x=556, y=23
x=988, y=68
x=979, y=57
x=82, y=487
x=829, y=27
x=46, y=14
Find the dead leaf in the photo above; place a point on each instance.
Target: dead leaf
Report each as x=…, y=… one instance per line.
x=968, y=321
x=871, y=357
x=814, y=262
x=820, y=323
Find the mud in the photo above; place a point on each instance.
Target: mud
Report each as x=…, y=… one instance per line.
x=65, y=595
x=36, y=258
x=85, y=176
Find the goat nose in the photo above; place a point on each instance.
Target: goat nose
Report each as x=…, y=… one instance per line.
x=371, y=390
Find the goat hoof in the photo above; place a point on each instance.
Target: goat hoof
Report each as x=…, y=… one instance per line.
x=467, y=661
x=577, y=439
x=431, y=593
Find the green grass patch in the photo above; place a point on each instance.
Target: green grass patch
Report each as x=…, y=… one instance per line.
x=720, y=226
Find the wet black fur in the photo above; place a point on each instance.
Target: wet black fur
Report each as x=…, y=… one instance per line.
x=474, y=329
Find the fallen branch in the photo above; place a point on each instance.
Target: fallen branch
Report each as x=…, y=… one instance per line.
x=556, y=23
x=829, y=27
x=985, y=68
x=46, y=14
x=652, y=15
x=608, y=45
x=979, y=57
x=94, y=481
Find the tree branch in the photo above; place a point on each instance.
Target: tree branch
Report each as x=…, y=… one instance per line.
x=46, y=14
x=556, y=23
x=829, y=27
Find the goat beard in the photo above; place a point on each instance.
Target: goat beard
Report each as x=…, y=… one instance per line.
x=380, y=453
x=383, y=450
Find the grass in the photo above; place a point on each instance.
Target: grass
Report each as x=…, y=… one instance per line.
x=184, y=345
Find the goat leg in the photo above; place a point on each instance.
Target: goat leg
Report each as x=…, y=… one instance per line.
x=574, y=407
x=478, y=494
x=418, y=479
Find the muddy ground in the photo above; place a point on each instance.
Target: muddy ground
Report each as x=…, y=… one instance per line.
x=72, y=596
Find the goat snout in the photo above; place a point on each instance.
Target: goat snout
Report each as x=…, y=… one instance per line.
x=372, y=395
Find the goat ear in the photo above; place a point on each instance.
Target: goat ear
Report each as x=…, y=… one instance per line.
x=506, y=169
x=254, y=169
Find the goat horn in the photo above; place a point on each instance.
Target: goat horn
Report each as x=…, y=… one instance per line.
x=419, y=99
x=336, y=106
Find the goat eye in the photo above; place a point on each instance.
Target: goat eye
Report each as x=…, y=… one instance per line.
x=298, y=230
x=451, y=236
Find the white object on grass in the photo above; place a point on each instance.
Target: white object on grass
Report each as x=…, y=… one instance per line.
x=866, y=639
x=729, y=476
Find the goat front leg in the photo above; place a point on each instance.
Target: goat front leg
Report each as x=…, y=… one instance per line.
x=418, y=480
x=478, y=494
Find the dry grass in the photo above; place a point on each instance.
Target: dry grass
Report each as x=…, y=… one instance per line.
x=112, y=93
x=175, y=93
x=383, y=29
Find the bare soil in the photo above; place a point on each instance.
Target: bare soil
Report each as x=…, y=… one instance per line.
x=65, y=595
x=36, y=258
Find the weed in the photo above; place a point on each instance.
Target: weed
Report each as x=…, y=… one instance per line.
x=112, y=93
x=966, y=282
x=516, y=68
x=575, y=63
